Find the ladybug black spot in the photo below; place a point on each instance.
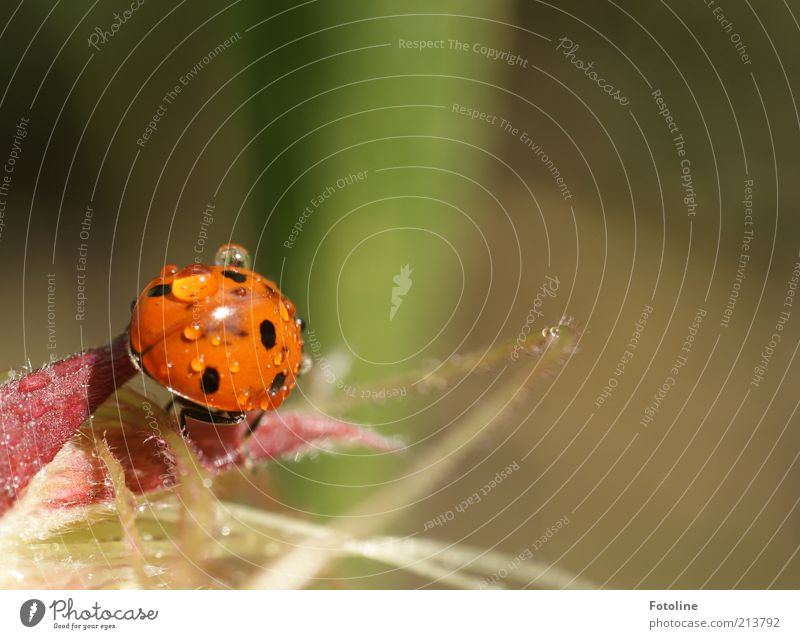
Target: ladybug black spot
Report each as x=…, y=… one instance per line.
x=267, y=329
x=209, y=383
x=237, y=277
x=160, y=290
x=277, y=383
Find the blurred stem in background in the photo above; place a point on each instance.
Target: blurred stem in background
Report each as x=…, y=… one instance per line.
x=358, y=178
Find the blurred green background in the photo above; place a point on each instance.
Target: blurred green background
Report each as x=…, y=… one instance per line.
x=399, y=156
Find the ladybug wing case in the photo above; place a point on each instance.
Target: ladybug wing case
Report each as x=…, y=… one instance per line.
x=222, y=337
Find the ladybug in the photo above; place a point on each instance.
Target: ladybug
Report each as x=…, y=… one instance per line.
x=220, y=337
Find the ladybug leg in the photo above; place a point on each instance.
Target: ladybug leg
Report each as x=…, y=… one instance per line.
x=172, y=408
x=253, y=420
x=170, y=405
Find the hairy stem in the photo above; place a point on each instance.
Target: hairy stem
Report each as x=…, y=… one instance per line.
x=300, y=566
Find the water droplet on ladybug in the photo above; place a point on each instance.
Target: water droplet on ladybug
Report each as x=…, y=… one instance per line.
x=243, y=397
x=284, y=313
x=233, y=366
x=192, y=331
x=169, y=270
x=232, y=255
x=193, y=283
x=265, y=403
x=197, y=363
x=216, y=340
x=241, y=291
x=278, y=359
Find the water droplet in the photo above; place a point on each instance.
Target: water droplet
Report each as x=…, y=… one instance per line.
x=243, y=397
x=553, y=331
x=278, y=359
x=232, y=255
x=225, y=531
x=169, y=270
x=216, y=340
x=233, y=366
x=265, y=403
x=193, y=283
x=197, y=363
x=284, y=313
x=241, y=292
x=207, y=483
x=192, y=331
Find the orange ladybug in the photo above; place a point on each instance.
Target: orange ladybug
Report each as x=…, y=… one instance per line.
x=219, y=336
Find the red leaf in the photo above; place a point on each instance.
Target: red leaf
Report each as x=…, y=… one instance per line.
x=42, y=410
x=218, y=447
x=282, y=434
x=277, y=434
